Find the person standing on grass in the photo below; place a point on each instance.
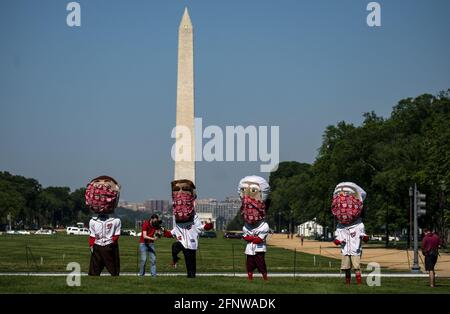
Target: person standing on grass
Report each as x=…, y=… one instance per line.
x=302, y=238
x=151, y=230
x=430, y=249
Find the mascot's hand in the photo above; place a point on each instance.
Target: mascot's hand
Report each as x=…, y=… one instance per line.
x=249, y=238
x=91, y=243
x=337, y=242
x=167, y=234
x=257, y=240
x=365, y=238
x=208, y=226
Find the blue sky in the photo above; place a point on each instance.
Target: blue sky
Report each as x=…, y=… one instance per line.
x=100, y=99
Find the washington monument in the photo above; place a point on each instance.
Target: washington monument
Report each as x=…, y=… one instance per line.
x=185, y=167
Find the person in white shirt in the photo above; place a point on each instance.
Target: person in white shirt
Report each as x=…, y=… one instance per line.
x=347, y=207
x=187, y=225
x=254, y=193
x=102, y=196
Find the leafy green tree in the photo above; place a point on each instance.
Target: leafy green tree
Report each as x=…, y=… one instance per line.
x=385, y=157
x=237, y=223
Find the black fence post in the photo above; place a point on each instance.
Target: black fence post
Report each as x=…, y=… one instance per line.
x=137, y=258
x=26, y=254
x=232, y=250
x=295, y=260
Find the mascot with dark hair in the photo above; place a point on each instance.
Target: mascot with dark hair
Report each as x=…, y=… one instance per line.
x=187, y=225
x=347, y=206
x=102, y=196
x=254, y=193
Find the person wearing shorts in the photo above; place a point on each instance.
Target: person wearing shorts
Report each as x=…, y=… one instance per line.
x=430, y=249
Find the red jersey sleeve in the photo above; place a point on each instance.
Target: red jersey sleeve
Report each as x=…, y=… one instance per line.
x=91, y=241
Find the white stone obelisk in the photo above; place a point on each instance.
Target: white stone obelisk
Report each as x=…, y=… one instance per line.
x=185, y=147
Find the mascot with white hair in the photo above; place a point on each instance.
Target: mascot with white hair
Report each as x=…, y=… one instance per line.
x=102, y=196
x=346, y=207
x=254, y=193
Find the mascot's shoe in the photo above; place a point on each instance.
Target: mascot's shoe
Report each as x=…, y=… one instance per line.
x=348, y=277
x=175, y=262
x=250, y=276
x=358, y=279
x=347, y=280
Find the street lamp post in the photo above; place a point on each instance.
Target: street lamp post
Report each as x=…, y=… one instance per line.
x=279, y=221
x=290, y=223
x=442, y=210
x=315, y=228
x=9, y=220
x=410, y=216
x=415, y=267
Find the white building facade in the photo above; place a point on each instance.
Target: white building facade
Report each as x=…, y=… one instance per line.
x=310, y=229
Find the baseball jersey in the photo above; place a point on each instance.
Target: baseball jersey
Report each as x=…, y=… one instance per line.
x=262, y=231
x=103, y=230
x=187, y=232
x=350, y=236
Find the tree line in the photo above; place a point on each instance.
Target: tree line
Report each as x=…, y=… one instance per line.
x=26, y=204
x=385, y=156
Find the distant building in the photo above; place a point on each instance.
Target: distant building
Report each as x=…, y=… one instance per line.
x=156, y=206
x=132, y=206
x=206, y=218
x=310, y=229
x=222, y=211
x=233, y=199
x=206, y=201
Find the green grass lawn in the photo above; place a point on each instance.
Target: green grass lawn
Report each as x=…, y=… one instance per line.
x=53, y=253
x=203, y=285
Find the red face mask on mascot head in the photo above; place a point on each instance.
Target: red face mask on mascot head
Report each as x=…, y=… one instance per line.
x=253, y=208
x=102, y=195
x=183, y=200
x=347, y=203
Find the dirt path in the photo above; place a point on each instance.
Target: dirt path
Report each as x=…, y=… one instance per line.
x=390, y=258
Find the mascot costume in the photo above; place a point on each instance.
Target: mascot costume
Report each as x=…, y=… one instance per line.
x=254, y=194
x=187, y=225
x=347, y=205
x=102, y=197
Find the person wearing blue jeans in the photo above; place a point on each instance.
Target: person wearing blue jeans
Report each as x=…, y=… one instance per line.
x=151, y=230
x=147, y=249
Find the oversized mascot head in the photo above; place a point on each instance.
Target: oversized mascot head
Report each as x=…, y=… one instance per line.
x=254, y=193
x=183, y=200
x=102, y=195
x=347, y=203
